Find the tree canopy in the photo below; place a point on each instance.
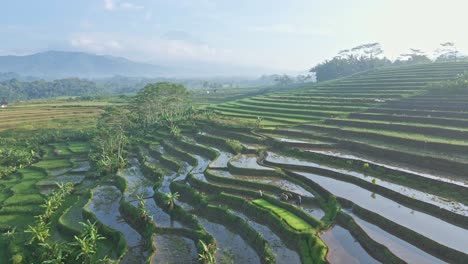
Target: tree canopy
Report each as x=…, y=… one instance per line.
x=162, y=103
x=369, y=56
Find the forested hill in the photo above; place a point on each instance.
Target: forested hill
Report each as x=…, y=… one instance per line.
x=14, y=90
x=60, y=64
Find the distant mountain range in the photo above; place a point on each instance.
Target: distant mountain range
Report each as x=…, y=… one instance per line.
x=60, y=64
x=63, y=64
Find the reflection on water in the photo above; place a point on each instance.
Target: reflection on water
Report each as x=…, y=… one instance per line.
x=424, y=224
x=400, y=248
x=453, y=206
x=105, y=205
x=230, y=243
x=343, y=248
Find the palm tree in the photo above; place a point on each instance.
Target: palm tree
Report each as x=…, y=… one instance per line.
x=171, y=198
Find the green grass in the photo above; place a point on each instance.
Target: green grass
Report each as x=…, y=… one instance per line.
x=31, y=173
x=79, y=147
x=23, y=199
x=290, y=218
x=61, y=149
x=21, y=209
x=19, y=220
x=25, y=186
x=53, y=164
x=74, y=215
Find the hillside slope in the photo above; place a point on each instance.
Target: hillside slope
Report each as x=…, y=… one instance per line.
x=384, y=114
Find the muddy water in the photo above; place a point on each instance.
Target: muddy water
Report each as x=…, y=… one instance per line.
x=441, y=202
x=424, y=224
x=184, y=170
x=138, y=184
x=248, y=161
x=462, y=181
x=200, y=176
x=312, y=209
x=343, y=248
x=75, y=179
x=400, y=248
x=282, y=252
x=105, y=205
x=222, y=160
x=174, y=249
x=202, y=164
x=57, y=172
x=281, y=183
x=166, y=182
x=230, y=245
x=309, y=207
x=81, y=166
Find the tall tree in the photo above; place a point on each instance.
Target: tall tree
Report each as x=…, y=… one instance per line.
x=349, y=61
x=447, y=52
x=162, y=104
x=415, y=56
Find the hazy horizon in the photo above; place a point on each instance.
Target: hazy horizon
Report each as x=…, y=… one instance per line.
x=272, y=35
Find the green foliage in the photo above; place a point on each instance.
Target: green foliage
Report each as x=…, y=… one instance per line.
x=208, y=254
x=365, y=166
x=171, y=198
x=258, y=122
x=144, y=214
x=456, y=86
x=357, y=59
x=235, y=145
x=292, y=220
x=110, y=141
x=16, y=90
x=82, y=250
x=163, y=104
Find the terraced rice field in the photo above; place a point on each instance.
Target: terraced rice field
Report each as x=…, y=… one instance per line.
x=366, y=169
x=30, y=116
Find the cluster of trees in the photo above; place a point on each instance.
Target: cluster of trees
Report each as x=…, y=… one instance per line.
x=369, y=56
x=285, y=80
x=157, y=106
x=15, y=90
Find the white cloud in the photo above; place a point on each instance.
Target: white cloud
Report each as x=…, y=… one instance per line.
x=289, y=29
x=111, y=5
x=127, y=5
x=148, y=15
x=93, y=44
x=148, y=48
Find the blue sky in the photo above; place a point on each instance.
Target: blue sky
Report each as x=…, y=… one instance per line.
x=273, y=34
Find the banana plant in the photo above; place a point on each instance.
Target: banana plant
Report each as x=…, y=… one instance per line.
x=208, y=255
x=40, y=233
